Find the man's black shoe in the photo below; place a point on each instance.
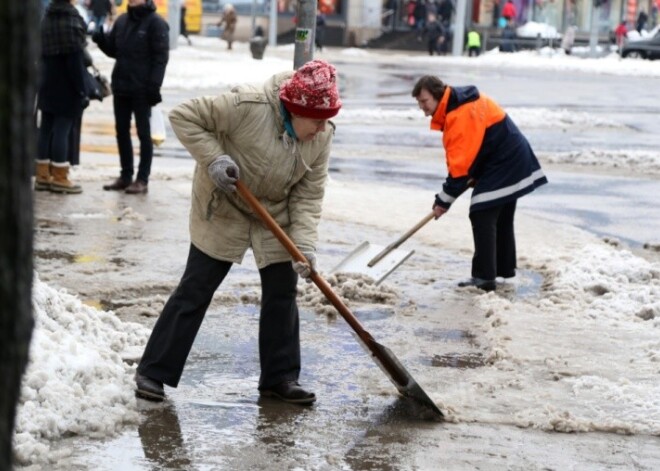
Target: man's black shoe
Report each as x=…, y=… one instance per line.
x=117, y=185
x=290, y=391
x=148, y=388
x=486, y=285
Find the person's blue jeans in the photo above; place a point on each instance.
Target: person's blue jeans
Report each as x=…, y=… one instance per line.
x=98, y=21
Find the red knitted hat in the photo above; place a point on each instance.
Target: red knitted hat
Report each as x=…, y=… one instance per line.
x=312, y=91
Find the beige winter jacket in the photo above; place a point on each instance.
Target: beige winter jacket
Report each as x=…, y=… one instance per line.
x=287, y=176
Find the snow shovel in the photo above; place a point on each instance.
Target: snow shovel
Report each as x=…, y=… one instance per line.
x=382, y=355
x=367, y=258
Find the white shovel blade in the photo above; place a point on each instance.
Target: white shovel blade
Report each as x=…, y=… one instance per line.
x=357, y=261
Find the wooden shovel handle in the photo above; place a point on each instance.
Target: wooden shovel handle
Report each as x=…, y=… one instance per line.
x=401, y=239
x=319, y=281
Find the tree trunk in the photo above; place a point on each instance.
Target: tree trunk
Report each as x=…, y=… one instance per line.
x=19, y=35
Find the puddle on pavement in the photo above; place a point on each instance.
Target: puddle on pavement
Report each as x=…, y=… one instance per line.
x=55, y=255
x=527, y=284
x=79, y=258
x=53, y=226
x=373, y=314
x=447, y=335
x=459, y=360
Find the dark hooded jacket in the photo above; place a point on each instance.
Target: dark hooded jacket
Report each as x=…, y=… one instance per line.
x=139, y=41
x=61, y=81
x=484, y=149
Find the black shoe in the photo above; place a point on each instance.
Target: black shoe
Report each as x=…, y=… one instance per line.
x=148, y=388
x=138, y=187
x=486, y=285
x=290, y=391
x=117, y=185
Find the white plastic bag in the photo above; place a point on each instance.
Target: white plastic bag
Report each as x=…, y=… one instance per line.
x=157, y=124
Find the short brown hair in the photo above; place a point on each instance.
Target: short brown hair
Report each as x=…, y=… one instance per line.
x=433, y=84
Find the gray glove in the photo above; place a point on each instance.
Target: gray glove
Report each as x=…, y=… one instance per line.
x=305, y=270
x=224, y=173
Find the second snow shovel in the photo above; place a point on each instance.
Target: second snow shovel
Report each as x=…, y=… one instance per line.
x=382, y=355
x=377, y=261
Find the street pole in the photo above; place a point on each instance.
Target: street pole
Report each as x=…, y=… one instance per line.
x=459, y=28
x=305, y=31
x=272, y=29
x=253, y=14
x=174, y=20
x=593, y=36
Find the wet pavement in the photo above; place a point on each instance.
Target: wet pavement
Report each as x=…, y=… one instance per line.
x=126, y=253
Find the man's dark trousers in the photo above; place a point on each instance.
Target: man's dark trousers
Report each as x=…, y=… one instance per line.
x=125, y=107
x=494, y=242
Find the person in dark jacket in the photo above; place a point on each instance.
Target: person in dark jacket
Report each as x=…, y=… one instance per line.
x=62, y=94
x=484, y=151
x=435, y=34
x=100, y=10
x=183, y=29
x=642, y=18
x=509, y=37
x=445, y=10
x=139, y=41
x=319, y=35
x=419, y=13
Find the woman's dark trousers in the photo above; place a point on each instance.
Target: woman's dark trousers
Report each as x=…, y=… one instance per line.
x=175, y=331
x=494, y=242
x=54, y=137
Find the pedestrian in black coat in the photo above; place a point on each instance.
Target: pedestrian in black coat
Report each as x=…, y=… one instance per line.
x=100, y=10
x=435, y=33
x=183, y=29
x=62, y=94
x=139, y=41
x=445, y=10
x=319, y=35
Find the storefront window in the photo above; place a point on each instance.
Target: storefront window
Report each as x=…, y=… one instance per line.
x=327, y=7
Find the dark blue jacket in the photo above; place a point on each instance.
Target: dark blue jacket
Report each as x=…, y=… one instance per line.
x=484, y=150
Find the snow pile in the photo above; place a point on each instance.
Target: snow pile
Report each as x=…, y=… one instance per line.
x=525, y=117
x=551, y=60
x=609, y=283
x=548, y=370
x=633, y=160
x=76, y=382
x=533, y=29
x=559, y=119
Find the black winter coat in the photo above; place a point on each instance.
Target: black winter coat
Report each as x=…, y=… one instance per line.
x=100, y=7
x=434, y=30
x=61, y=83
x=139, y=41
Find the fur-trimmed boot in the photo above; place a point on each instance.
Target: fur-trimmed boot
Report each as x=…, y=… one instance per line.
x=61, y=182
x=43, y=180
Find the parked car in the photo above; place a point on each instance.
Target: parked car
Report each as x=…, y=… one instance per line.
x=643, y=48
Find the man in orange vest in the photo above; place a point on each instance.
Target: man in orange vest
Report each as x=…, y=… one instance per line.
x=484, y=151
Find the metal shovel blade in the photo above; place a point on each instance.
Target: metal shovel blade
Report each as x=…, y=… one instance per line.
x=383, y=357
x=398, y=374
x=358, y=261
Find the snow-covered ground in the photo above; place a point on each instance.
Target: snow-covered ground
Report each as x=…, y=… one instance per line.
x=583, y=356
